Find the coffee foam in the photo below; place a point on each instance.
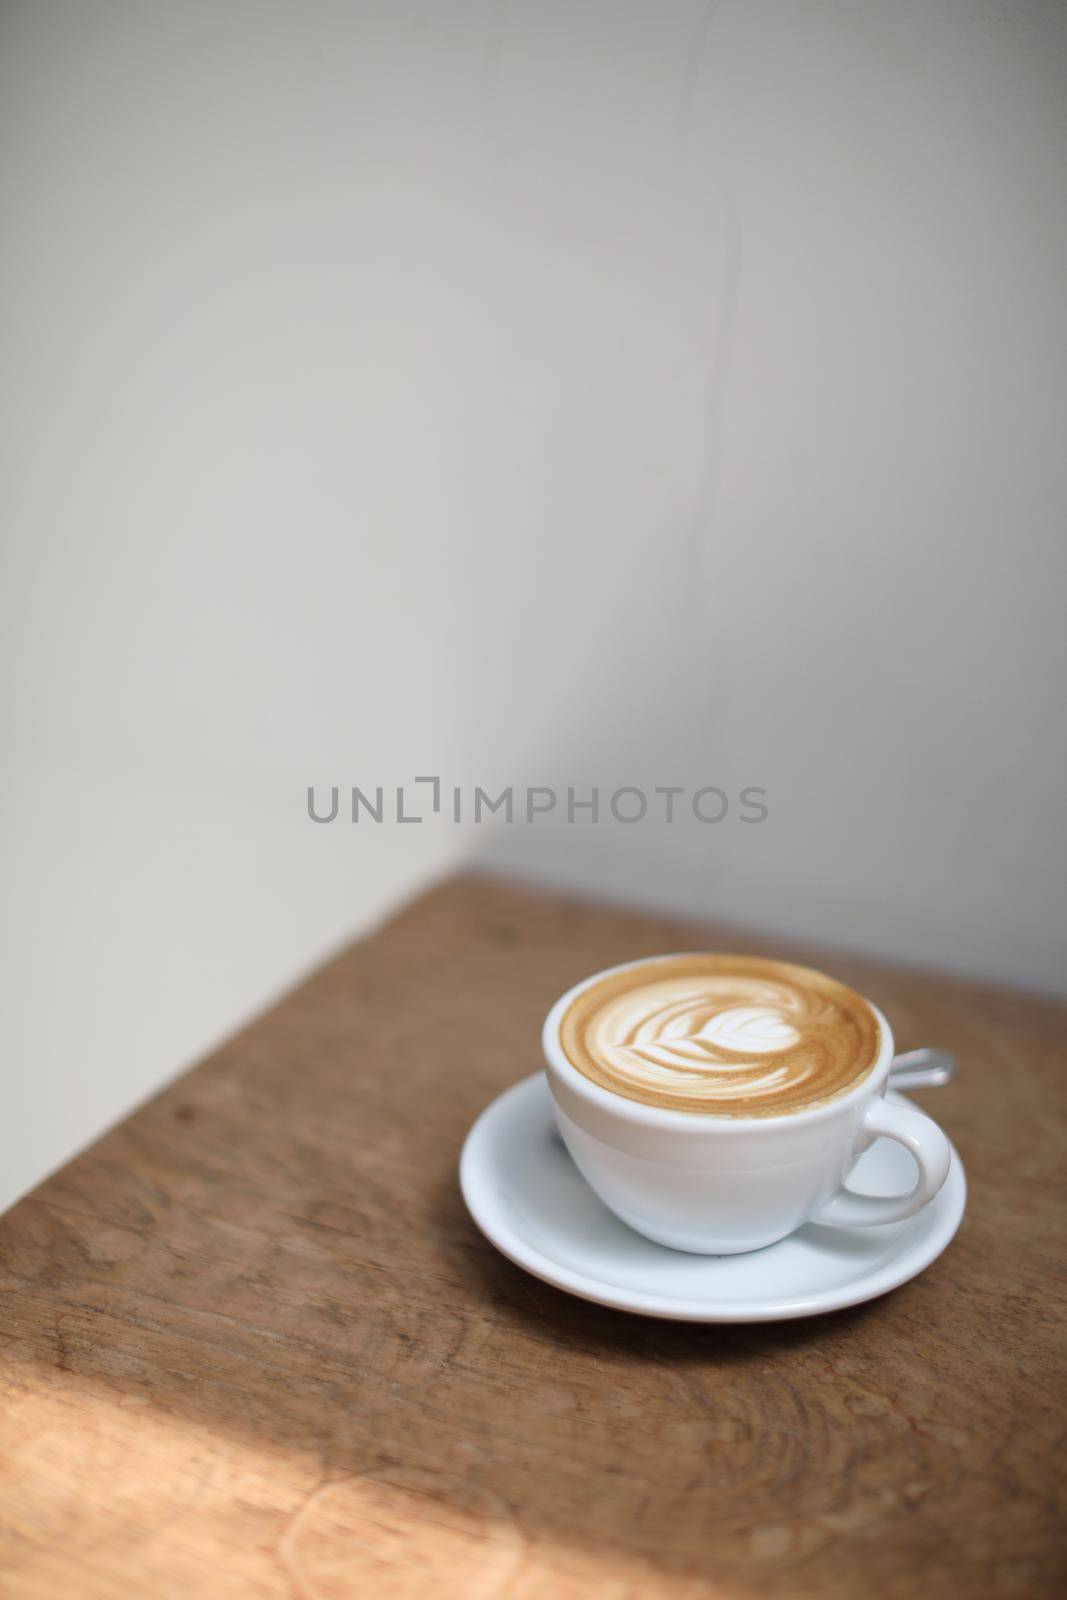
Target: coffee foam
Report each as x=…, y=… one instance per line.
x=722, y=1035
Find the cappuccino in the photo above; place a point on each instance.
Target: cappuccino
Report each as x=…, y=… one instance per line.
x=727, y=1036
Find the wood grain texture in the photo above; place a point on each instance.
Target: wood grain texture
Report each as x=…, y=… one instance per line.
x=252, y=1345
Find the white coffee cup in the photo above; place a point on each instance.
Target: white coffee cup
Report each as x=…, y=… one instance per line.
x=719, y=1185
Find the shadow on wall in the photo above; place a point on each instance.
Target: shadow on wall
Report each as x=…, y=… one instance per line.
x=771, y=467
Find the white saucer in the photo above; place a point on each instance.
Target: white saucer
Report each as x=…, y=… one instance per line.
x=528, y=1198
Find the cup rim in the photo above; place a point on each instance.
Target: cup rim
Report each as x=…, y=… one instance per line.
x=661, y=1117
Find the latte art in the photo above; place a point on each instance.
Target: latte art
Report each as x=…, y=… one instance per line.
x=725, y=1035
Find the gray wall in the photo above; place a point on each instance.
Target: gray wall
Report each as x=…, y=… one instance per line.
x=558, y=393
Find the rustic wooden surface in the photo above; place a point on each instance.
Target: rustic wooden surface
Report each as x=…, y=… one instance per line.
x=252, y=1345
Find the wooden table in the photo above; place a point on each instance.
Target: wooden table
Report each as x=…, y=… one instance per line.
x=252, y=1345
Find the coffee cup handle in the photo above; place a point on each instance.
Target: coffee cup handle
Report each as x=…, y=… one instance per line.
x=930, y=1150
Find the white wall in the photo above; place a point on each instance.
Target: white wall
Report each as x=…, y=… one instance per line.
x=544, y=392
